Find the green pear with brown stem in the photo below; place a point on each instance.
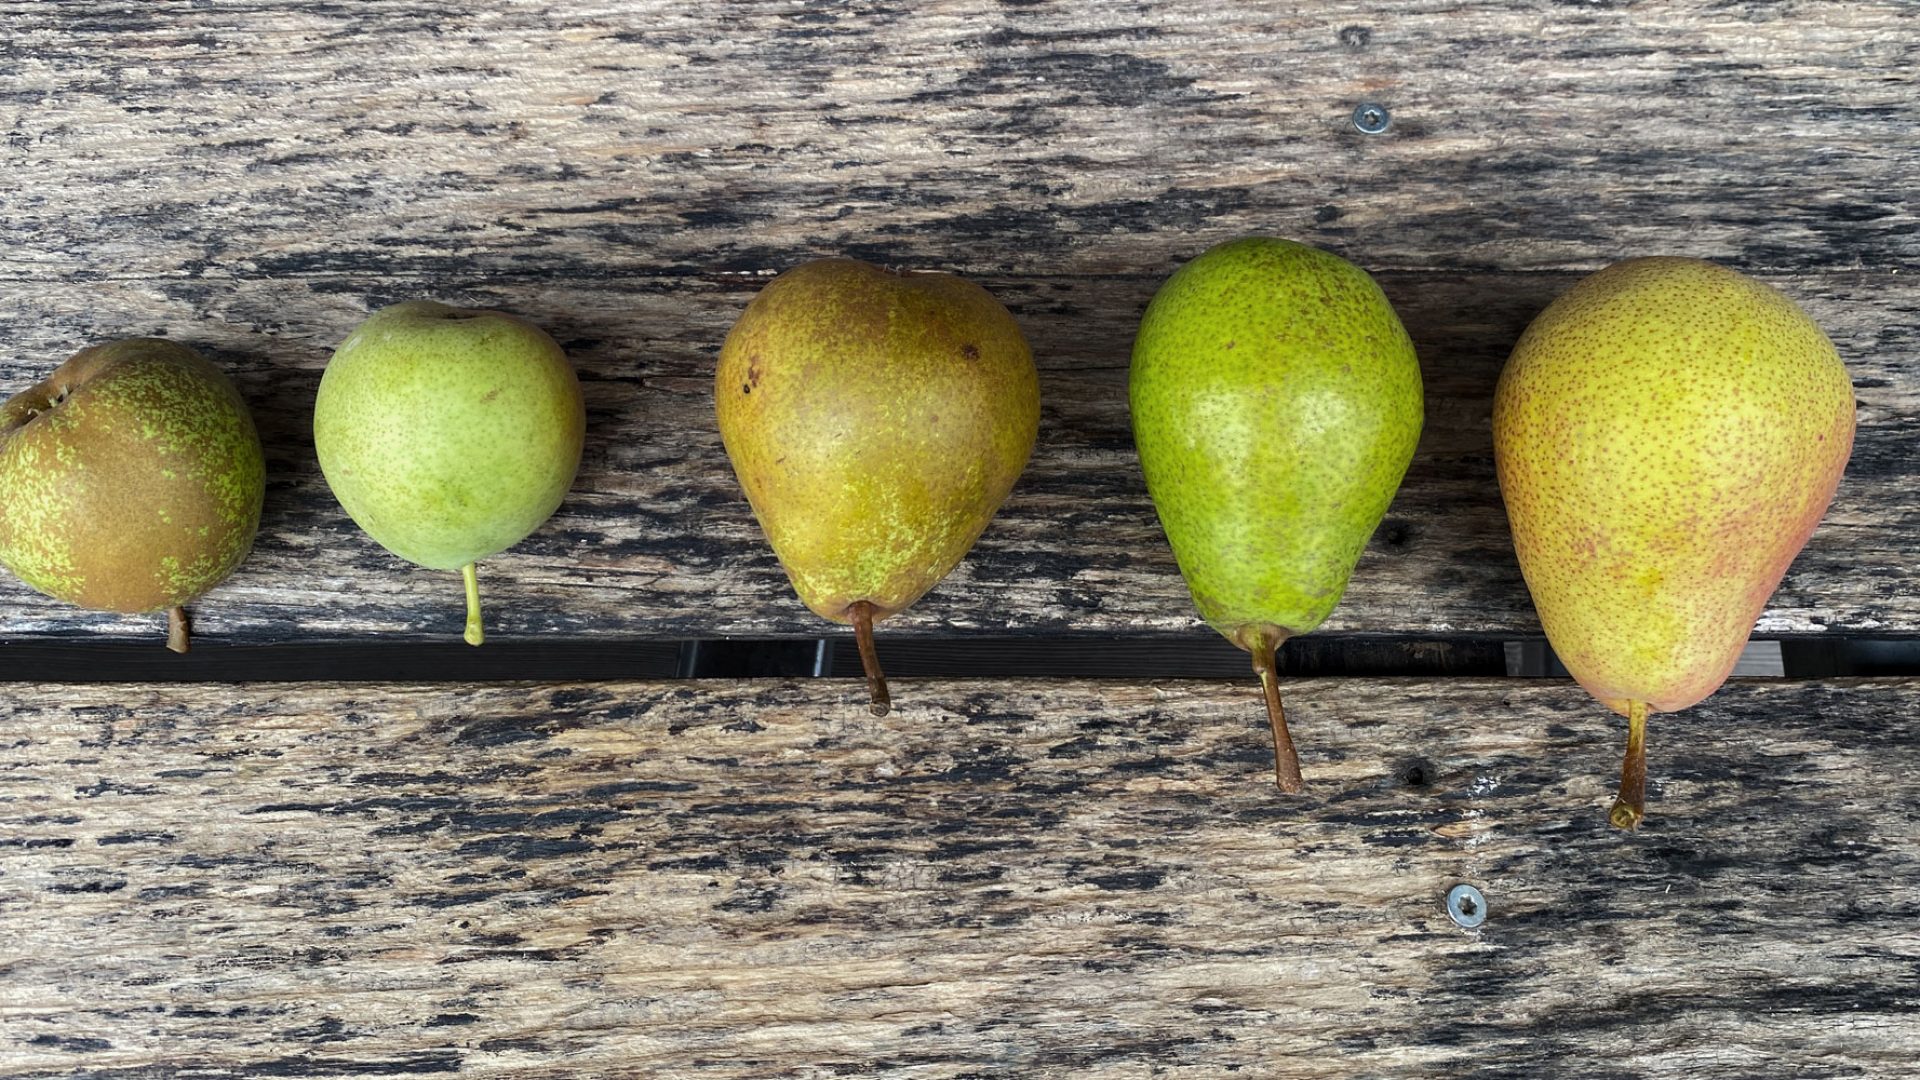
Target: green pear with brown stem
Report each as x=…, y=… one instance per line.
x=1276, y=405
x=876, y=421
x=1667, y=433
x=131, y=480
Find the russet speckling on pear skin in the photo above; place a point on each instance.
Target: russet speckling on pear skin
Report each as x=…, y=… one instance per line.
x=1276, y=404
x=131, y=479
x=449, y=434
x=876, y=421
x=1667, y=434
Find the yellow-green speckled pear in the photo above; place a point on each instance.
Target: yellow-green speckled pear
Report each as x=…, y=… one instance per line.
x=1276, y=403
x=876, y=420
x=449, y=434
x=1668, y=433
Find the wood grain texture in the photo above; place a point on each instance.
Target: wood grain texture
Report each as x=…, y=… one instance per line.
x=1026, y=879
x=253, y=177
x=657, y=540
x=539, y=136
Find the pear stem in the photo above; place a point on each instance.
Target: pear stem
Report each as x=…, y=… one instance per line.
x=476, y=633
x=876, y=679
x=1631, y=804
x=1286, y=763
x=178, y=629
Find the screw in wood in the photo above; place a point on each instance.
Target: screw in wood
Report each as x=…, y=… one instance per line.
x=1467, y=906
x=1370, y=118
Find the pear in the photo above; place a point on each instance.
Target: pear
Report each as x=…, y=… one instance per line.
x=1276, y=403
x=876, y=420
x=449, y=434
x=1667, y=433
x=130, y=480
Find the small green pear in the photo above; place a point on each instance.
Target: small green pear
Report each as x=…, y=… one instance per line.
x=130, y=480
x=876, y=421
x=1668, y=433
x=449, y=434
x=1276, y=404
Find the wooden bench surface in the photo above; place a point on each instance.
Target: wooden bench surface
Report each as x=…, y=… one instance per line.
x=1021, y=878
x=1012, y=878
x=254, y=179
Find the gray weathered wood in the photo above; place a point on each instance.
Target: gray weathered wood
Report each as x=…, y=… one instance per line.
x=1023, y=879
x=252, y=177
x=1028, y=879
x=658, y=541
x=260, y=139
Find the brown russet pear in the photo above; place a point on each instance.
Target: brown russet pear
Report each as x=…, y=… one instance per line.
x=876, y=420
x=1667, y=433
x=131, y=479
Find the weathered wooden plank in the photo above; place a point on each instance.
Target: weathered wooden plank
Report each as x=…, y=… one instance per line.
x=534, y=136
x=1026, y=879
x=255, y=171
x=658, y=542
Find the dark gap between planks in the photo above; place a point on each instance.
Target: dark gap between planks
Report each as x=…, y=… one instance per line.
x=1210, y=657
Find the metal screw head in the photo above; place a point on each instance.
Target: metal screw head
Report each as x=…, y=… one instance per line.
x=1370, y=118
x=1467, y=906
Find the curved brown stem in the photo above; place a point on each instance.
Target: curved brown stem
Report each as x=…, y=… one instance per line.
x=876, y=679
x=1631, y=804
x=1286, y=763
x=178, y=630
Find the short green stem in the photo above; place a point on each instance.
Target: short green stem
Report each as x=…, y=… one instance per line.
x=475, y=632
